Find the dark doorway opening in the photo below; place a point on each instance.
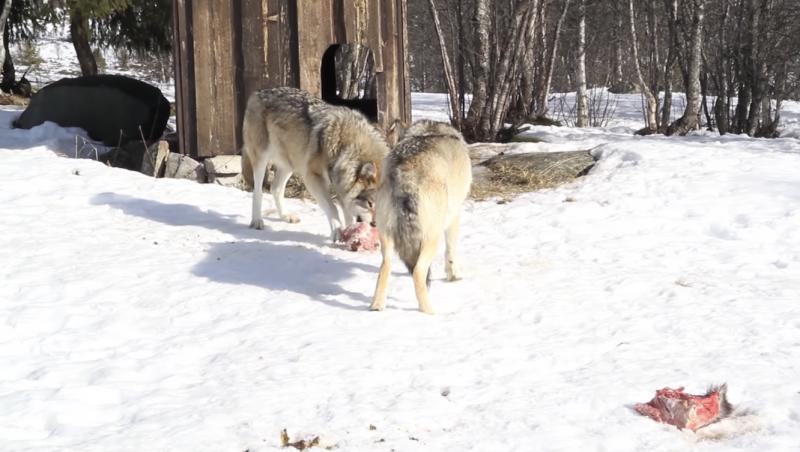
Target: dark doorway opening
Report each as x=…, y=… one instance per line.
x=348, y=78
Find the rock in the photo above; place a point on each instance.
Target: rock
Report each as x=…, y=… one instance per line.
x=154, y=161
x=223, y=166
x=225, y=170
x=113, y=109
x=236, y=181
x=184, y=167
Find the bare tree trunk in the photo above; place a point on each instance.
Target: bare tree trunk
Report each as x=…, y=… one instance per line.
x=481, y=70
x=4, y=12
x=455, y=114
x=582, y=119
x=507, y=72
x=9, y=73
x=669, y=67
x=462, y=63
x=704, y=97
x=79, y=34
x=651, y=122
x=551, y=63
x=352, y=61
x=721, y=105
x=756, y=70
x=619, y=82
x=485, y=119
x=689, y=121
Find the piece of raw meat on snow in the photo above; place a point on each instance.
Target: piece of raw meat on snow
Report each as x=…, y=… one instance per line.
x=675, y=407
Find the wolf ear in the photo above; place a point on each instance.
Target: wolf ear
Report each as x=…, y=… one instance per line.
x=368, y=172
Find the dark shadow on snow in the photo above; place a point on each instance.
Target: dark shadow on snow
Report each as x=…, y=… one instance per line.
x=258, y=258
x=293, y=268
x=190, y=215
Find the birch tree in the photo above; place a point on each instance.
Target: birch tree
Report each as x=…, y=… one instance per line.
x=550, y=62
x=689, y=121
x=582, y=119
x=651, y=122
x=450, y=83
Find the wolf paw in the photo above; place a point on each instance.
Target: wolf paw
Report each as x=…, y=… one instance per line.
x=426, y=310
x=290, y=218
x=375, y=306
x=336, y=235
x=453, y=273
x=257, y=224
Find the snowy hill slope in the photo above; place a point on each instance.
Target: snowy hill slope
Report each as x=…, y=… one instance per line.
x=142, y=314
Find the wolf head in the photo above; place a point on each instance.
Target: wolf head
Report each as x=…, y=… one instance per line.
x=360, y=199
x=357, y=151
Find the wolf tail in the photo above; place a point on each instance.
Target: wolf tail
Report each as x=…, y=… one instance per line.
x=407, y=233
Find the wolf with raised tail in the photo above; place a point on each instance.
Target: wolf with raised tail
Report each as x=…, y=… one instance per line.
x=332, y=149
x=426, y=179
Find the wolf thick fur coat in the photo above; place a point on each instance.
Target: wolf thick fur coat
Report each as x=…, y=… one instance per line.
x=426, y=179
x=328, y=146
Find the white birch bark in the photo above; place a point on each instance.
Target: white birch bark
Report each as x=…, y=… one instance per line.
x=582, y=119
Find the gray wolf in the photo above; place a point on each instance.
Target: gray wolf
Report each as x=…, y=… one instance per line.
x=426, y=178
x=333, y=149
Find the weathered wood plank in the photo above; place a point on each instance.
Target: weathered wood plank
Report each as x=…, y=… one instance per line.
x=281, y=56
x=254, y=45
x=394, y=105
x=215, y=78
x=374, y=41
x=315, y=35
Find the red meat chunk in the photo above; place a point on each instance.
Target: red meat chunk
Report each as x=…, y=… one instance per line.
x=675, y=407
x=361, y=236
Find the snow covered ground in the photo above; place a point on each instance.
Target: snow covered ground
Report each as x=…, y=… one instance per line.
x=142, y=314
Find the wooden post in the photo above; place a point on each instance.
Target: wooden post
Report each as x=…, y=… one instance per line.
x=184, y=77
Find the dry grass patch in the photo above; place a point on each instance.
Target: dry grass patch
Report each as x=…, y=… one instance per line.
x=507, y=176
x=507, y=181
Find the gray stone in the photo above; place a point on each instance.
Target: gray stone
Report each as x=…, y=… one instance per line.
x=154, y=162
x=223, y=166
x=236, y=181
x=184, y=167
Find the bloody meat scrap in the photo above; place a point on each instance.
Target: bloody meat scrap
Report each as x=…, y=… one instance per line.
x=361, y=236
x=675, y=407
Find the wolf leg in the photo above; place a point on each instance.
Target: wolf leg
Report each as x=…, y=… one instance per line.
x=259, y=171
x=379, y=299
x=282, y=175
x=319, y=190
x=349, y=216
x=421, y=273
x=451, y=266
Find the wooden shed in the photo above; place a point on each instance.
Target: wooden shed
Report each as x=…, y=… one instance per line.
x=226, y=49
